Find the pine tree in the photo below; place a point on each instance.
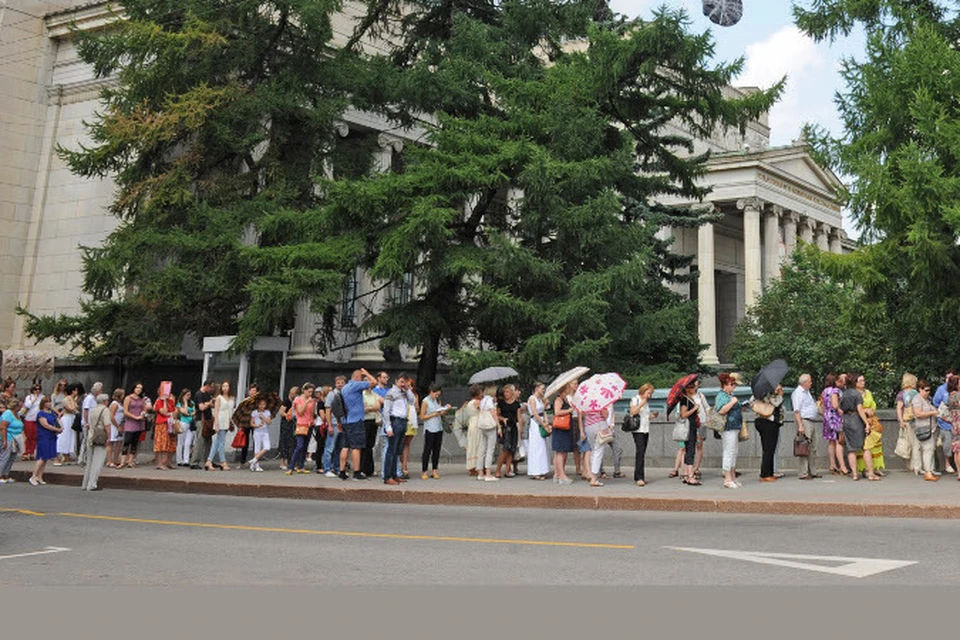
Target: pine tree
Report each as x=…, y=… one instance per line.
x=900, y=148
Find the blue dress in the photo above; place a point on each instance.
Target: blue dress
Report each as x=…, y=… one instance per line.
x=46, y=439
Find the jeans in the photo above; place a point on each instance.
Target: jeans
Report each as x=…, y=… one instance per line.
x=394, y=446
x=299, y=456
x=731, y=447
x=331, y=451
x=9, y=454
x=431, y=449
x=184, y=442
x=97, y=456
x=218, y=447
x=640, y=442
x=769, y=435
x=383, y=457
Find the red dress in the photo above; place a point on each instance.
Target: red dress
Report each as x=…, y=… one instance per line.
x=163, y=440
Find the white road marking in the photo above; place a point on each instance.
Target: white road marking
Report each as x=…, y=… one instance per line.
x=852, y=567
x=35, y=553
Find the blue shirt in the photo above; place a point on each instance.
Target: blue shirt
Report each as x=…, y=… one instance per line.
x=939, y=398
x=352, y=393
x=734, y=416
x=14, y=424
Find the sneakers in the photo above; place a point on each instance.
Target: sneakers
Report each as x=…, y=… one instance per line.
x=359, y=475
x=258, y=468
x=330, y=474
x=730, y=485
x=951, y=469
x=253, y=465
x=491, y=479
x=5, y=481
x=343, y=475
x=34, y=482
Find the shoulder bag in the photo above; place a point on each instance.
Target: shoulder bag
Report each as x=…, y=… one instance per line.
x=681, y=430
x=562, y=422
x=604, y=436
x=762, y=408
x=715, y=420
x=630, y=423
x=486, y=421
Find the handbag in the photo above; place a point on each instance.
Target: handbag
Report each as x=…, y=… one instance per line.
x=240, y=440
x=630, y=423
x=904, y=448
x=604, y=436
x=681, y=431
x=206, y=428
x=801, y=446
x=744, y=432
x=99, y=436
x=762, y=408
x=543, y=431
x=562, y=422
x=486, y=421
x=715, y=421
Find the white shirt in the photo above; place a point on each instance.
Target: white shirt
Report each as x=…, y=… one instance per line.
x=804, y=404
x=259, y=419
x=643, y=414
x=32, y=404
x=89, y=402
x=397, y=402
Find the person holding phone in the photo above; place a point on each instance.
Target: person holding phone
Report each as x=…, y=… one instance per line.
x=431, y=415
x=640, y=409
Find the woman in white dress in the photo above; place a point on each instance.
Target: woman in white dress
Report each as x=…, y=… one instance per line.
x=538, y=456
x=67, y=439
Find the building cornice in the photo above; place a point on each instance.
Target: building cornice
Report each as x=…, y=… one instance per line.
x=90, y=17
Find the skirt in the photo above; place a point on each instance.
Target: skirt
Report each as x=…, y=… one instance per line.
x=163, y=440
x=508, y=439
x=562, y=440
x=538, y=456
x=67, y=439
x=854, y=433
x=46, y=447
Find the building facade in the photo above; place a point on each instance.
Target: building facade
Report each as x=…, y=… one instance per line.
x=770, y=199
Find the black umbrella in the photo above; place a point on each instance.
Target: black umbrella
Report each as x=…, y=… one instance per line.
x=769, y=378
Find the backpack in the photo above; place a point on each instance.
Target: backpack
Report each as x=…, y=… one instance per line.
x=337, y=408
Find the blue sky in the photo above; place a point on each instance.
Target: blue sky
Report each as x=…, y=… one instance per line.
x=773, y=47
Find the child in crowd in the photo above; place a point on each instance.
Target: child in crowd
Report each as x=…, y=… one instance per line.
x=260, y=423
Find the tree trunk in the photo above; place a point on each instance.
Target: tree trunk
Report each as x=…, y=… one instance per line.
x=427, y=368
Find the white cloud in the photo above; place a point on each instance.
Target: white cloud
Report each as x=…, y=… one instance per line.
x=811, y=81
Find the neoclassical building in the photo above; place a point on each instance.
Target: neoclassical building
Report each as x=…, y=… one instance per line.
x=770, y=198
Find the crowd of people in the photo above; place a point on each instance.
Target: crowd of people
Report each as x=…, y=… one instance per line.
x=338, y=427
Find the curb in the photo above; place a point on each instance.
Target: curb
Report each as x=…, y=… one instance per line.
x=514, y=501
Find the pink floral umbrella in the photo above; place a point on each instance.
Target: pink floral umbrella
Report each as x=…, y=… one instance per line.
x=599, y=391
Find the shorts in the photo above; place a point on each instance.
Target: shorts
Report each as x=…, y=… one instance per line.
x=261, y=439
x=355, y=434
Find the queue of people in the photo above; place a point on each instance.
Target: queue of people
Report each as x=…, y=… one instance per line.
x=339, y=426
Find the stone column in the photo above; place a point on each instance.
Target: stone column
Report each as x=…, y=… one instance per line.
x=751, y=249
x=706, y=293
x=806, y=230
x=835, y=241
x=771, y=245
x=823, y=231
x=790, y=234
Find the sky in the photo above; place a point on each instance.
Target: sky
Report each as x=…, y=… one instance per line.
x=772, y=47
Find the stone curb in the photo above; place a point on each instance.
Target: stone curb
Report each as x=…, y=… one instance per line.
x=514, y=501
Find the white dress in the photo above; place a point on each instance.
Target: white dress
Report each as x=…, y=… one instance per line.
x=538, y=458
x=67, y=439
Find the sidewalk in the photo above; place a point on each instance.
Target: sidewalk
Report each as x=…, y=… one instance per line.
x=899, y=495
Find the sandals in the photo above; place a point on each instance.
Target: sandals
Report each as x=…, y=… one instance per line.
x=674, y=474
x=596, y=484
x=694, y=482
x=619, y=474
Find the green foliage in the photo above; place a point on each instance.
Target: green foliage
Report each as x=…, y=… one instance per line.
x=815, y=322
x=900, y=149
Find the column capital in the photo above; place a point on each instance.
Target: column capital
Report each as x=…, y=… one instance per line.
x=807, y=223
x=792, y=216
x=776, y=211
x=750, y=203
x=837, y=233
x=387, y=141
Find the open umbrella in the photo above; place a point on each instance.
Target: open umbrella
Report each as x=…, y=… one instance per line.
x=241, y=415
x=678, y=388
x=599, y=391
x=493, y=374
x=563, y=380
x=769, y=377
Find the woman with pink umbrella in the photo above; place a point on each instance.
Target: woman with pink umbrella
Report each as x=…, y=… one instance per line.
x=594, y=399
x=684, y=394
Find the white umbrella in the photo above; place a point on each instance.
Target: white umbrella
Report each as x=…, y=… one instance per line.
x=492, y=374
x=564, y=379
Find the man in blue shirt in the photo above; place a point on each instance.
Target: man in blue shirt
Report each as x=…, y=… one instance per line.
x=946, y=428
x=356, y=434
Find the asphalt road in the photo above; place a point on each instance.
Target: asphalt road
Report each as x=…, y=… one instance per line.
x=142, y=538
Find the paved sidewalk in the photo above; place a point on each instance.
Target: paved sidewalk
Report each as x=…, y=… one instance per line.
x=900, y=494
